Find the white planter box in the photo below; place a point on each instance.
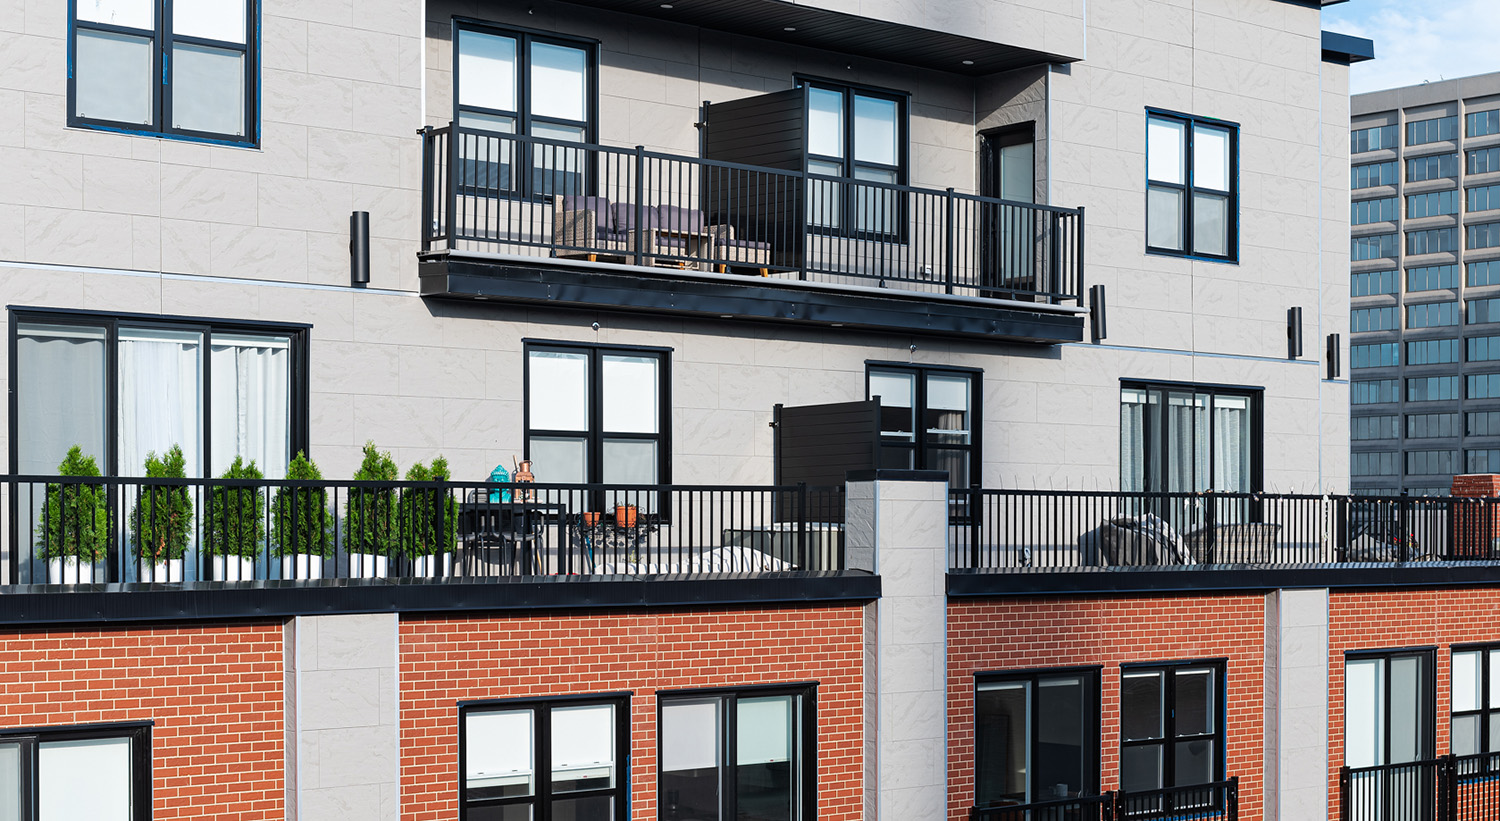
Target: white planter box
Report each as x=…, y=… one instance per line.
x=368, y=566
x=232, y=569
x=302, y=566
x=167, y=571
x=67, y=570
x=430, y=566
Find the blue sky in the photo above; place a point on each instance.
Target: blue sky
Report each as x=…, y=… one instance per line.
x=1418, y=40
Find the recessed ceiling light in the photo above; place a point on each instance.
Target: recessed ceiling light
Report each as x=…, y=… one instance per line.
x=968, y=62
x=666, y=5
x=788, y=28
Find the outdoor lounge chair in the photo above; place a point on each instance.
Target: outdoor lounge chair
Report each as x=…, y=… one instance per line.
x=593, y=227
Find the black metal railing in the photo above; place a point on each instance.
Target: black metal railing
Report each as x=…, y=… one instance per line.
x=497, y=192
x=1216, y=800
x=1446, y=788
x=1002, y=528
x=73, y=530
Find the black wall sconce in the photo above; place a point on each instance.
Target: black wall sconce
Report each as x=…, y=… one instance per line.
x=1293, y=333
x=359, y=249
x=1096, y=312
x=1334, y=352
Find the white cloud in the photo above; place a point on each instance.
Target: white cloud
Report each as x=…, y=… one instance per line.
x=1431, y=40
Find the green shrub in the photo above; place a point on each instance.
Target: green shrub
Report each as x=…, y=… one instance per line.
x=300, y=522
x=370, y=512
x=162, y=518
x=75, y=518
x=236, y=525
x=418, y=517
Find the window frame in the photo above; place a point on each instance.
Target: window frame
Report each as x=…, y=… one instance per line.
x=1428, y=654
x=728, y=698
x=298, y=425
x=919, y=446
x=1256, y=398
x=162, y=41
x=541, y=745
x=30, y=740
x=1189, y=187
x=1169, y=738
x=848, y=210
x=1092, y=676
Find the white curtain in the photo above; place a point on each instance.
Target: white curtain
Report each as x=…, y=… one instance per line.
x=250, y=402
x=161, y=396
x=1132, y=440
x=1232, y=444
x=1187, y=442
x=60, y=388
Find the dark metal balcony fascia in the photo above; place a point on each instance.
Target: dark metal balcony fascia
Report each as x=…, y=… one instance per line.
x=966, y=583
x=611, y=287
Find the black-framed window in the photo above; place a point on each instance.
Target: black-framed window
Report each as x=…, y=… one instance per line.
x=598, y=413
x=1388, y=707
x=1483, y=460
x=1189, y=438
x=1482, y=423
x=1036, y=736
x=857, y=133
x=1171, y=725
x=513, y=81
x=1431, y=425
x=929, y=418
x=1192, y=170
x=563, y=759
x=1375, y=463
x=748, y=753
x=1482, y=386
x=83, y=771
x=1431, y=388
x=1431, y=462
x=122, y=385
x=178, y=68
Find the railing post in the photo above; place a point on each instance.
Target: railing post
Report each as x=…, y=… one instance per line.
x=1345, y=782
x=802, y=525
x=976, y=523
x=1078, y=258
x=1209, y=516
x=1447, y=797
x=948, y=240
x=800, y=203
x=640, y=204
x=1054, y=262
x=427, y=161
x=450, y=188
x=1232, y=798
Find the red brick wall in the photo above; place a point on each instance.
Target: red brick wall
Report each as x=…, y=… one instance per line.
x=1388, y=619
x=215, y=693
x=447, y=660
x=993, y=635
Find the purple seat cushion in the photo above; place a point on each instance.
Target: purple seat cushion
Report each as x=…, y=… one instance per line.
x=624, y=213
x=603, y=217
x=672, y=242
x=680, y=219
x=744, y=243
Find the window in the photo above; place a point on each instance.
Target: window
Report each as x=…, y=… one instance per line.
x=1482, y=461
x=1426, y=491
x=1484, y=160
x=1189, y=438
x=203, y=52
x=1373, y=319
x=511, y=82
x=1486, y=235
x=1372, y=247
x=1431, y=425
x=1373, y=392
x=1374, y=463
x=1036, y=737
x=1431, y=462
x=1372, y=282
x=1375, y=356
x=1432, y=315
x=1484, y=273
x=1483, y=348
x=1484, y=198
x=1374, y=427
x=1421, y=132
x=1432, y=352
x=737, y=755
x=1387, y=708
x=1372, y=174
x=1476, y=682
x=1363, y=212
x=1482, y=123
x=855, y=133
x=597, y=414
x=1435, y=167
x=1482, y=311
x=1431, y=277
x=1434, y=204
x=1372, y=139
x=1482, y=423
x=1431, y=388
x=944, y=402
x=98, y=772
x=1170, y=725
x=1432, y=241
x=562, y=759
x=1191, y=170
x=1483, y=386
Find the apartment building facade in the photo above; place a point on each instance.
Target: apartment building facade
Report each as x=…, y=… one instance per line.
x=694, y=262
x=1424, y=236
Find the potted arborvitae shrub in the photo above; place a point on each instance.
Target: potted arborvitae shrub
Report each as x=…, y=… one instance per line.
x=234, y=525
x=370, y=515
x=162, y=519
x=427, y=521
x=300, y=523
x=73, y=534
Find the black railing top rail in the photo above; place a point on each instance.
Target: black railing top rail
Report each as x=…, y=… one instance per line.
x=399, y=484
x=1214, y=799
x=1052, y=808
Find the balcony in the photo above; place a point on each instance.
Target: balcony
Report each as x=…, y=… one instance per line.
x=519, y=219
x=1447, y=787
x=1196, y=802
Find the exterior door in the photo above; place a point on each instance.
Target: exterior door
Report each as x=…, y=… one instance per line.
x=1007, y=171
